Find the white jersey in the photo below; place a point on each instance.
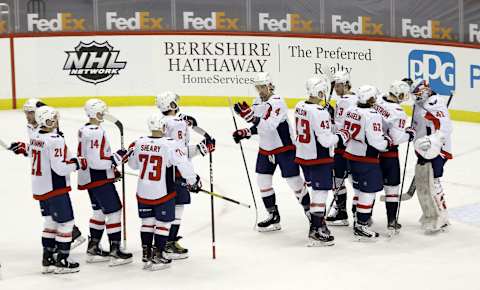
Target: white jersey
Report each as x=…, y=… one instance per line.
x=177, y=129
x=274, y=130
x=31, y=131
x=51, y=167
x=343, y=104
x=315, y=140
x=156, y=158
x=394, y=124
x=367, y=138
x=94, y=146
x=433, y=116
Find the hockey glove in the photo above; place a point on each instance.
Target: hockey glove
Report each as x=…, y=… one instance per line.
x=206, y=146
x=343, y=136
x=189, y=119
x=244, y=110
x=80, y=162
x=196, y=186
x=241, y=134
x=18, y=148
x=119, y=157
x=412, y=132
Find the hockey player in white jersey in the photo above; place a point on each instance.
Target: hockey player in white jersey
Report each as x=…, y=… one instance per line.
x=157, y=156
x=433, y=147
x=315, y=142
x=395, y=126
x=51, y=167
x=363, y=150
x=178, y=128
x=99, y=180
x=345, y=101
x=269, y=119
x=29, y=108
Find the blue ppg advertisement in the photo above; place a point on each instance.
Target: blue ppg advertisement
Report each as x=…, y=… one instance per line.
x=436, y=67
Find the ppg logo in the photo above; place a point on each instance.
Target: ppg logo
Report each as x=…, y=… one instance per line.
x=436, y=67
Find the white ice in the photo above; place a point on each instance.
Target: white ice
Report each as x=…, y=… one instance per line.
x=246, y=259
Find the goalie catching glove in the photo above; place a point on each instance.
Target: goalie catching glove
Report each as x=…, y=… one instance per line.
x=430, y=146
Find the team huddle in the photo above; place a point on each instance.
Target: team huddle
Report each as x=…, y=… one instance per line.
x=357, y=139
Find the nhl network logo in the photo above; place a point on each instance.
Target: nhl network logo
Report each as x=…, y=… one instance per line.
x=94, y=62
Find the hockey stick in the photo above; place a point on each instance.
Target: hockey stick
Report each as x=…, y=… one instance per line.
x=4, y=145
x=212, y=207
x=214, y=194
x=412, y=188
x=244, y=163
x=119, y=124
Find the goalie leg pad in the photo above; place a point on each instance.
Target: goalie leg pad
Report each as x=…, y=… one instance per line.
x=426, y=191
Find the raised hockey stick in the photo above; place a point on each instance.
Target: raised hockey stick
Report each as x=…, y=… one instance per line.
x=244, y=163
x=212, y=207
x=119, y=124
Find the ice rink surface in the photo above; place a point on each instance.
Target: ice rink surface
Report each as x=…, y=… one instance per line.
x=246, y=259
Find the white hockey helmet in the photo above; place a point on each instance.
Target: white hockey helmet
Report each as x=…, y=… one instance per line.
x=167, y=101
x=341, y=77
x=95, y=106
x=420, y=91
x=31, y=105
x=157, y=122
x=366, y=93
x=263, y=79
x=400, y=89
x=317, y=84
x=46, y=116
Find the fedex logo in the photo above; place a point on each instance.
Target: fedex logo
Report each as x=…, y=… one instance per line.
x=64, y=22
x=363, y=25
x=291, y=23
x=436, y=67
x=432, y=30
x=216, y=21
x=474, y=33
x=141, y=21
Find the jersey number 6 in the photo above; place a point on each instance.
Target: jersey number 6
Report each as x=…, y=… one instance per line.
x=156, y=173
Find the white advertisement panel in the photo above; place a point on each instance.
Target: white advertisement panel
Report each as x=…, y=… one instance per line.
x=5, y=72
x=225, y=65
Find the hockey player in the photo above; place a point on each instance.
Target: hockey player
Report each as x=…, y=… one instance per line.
x=395, y=126
x=29, y=108
x=157, y=157
x=51, y=167
x=367, y=141
x=433, y=147
x=178, y=128
x=345, y=101
x=269, y=119
x=314, y=147
x=98, y=179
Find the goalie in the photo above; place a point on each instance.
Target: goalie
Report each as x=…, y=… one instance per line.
x=433, y=148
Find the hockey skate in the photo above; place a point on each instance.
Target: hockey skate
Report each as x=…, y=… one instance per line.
x=320, y=238
x=159, y=262
x=337, y=217
x=147, y=257
x=48, y=263
x=272, y=223
x=95, y=254
x=64, y=266
x=174, y=251
x=117, y=256
x=77, y=238
x=393, y=228
x=362, y=233
x=435, y=225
